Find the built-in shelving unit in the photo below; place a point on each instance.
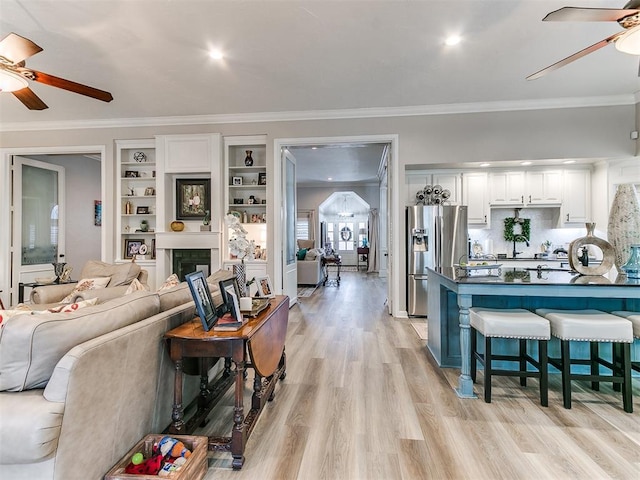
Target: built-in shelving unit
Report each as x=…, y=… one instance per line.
x=136, y=191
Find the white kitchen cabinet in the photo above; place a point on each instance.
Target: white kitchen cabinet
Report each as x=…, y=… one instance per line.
x=507, y=188
x=451, y=181
x=474, y=196
x=576, y=197
x=543, y=187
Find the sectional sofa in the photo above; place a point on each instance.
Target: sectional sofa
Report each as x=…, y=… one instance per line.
x=77, y=390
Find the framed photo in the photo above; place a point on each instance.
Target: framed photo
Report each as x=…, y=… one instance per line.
x=142, y=210
x=262, y=178
x=132, y=247
x=202, y=298
x=230, y=296
x=236, y=181
x=131, y=174
x=265, y=289
x=193, y=198
x=153, y=249
x=149, y=191
x=97, y=213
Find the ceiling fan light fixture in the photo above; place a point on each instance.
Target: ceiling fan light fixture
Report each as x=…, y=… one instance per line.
x=452, y=40
x=629, y=41
x=11, y=82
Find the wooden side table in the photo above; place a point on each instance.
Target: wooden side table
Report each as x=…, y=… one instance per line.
x=335, y=260
x=363, y=255
x=262, y=339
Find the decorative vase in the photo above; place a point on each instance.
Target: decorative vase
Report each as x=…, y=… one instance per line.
x=177, y=226
x=240, y=272
x=624, y=223
x=580, y=244
x=632, y=267
x=58, y=269
x=248, y=161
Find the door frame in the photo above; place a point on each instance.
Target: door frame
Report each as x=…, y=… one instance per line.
x=10, y=291
x=393, y=241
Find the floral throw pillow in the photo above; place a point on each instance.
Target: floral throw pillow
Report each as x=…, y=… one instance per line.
x=69, y=307
x=86, y=284
x=135, y=286
x=170, y=282
x=6, y=314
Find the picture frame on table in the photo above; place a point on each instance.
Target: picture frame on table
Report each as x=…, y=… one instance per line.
x=202, y=298
x=230, y=293
x=193, y=198
x=132, y=247
x=262, y=178
x=265, y=287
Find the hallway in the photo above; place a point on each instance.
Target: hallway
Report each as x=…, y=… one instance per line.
x=363, y=400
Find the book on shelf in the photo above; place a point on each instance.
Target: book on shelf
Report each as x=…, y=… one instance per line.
x=227, y=323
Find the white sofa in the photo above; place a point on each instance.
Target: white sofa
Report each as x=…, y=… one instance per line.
x=79, y=389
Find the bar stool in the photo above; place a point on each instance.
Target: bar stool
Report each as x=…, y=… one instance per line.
x=634, y=318
x=592, y=326
x=512, y=324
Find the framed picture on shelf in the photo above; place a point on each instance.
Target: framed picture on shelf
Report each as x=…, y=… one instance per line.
x=142, y=210
x=149, y=191
x=193, y=198
x=131, y=174
x=262, y=178
x=153, y=249
x=238, y=201
x=265, y=289
x=132, y=247
x=236, y=181
x=97, y=213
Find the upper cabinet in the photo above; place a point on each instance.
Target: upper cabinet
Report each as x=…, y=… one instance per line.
x=188, y=153
x=517, y=189
x=474, y=192
x=451, y=181
x=576, y=200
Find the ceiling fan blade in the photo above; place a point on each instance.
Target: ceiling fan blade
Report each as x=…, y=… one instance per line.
x=575, y=56
x=30, y=99
x=15, y=48
x=577, y=14
x=71, y=86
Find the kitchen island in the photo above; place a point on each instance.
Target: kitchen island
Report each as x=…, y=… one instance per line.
x=452, y=291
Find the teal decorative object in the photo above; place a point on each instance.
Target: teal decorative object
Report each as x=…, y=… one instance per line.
x=632, y=267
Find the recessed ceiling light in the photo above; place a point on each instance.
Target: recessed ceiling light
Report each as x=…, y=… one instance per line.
x=525, y=163
x=329, y=178
x=314, y=148
x=485, y=164
x=216, y=54
x=569, y=161
x=452, y=40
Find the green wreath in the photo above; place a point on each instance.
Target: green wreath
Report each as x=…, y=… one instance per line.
x=510, y=222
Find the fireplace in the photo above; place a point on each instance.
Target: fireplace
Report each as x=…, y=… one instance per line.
x=190, y=260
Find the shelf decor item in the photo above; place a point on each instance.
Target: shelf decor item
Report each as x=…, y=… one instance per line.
x=193, y=198
x=177, y=226
x=578, y=253
x=241, y=248
x=623, y=229
x=632, y=267
x=248, y=161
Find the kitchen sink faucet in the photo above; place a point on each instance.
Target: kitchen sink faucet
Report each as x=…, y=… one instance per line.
x=518, y=238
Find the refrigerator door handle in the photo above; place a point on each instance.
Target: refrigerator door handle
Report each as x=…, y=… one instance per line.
x=438, y=241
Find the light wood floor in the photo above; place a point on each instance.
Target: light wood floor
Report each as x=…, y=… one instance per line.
x=363, y=400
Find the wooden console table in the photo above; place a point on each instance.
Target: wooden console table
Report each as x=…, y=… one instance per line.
x=363, y=255
x=335, y=260
x=263, y=339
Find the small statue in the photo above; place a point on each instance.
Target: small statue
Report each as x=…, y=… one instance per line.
x=207, y=218
x=584, y=256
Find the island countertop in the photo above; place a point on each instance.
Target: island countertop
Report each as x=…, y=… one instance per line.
x=451, y=293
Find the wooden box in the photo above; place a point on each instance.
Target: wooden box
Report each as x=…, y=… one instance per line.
x=194, y=469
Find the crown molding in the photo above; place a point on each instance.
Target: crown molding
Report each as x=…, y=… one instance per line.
x=373, y=112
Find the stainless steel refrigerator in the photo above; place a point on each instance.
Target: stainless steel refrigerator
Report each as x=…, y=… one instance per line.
x=436, y=237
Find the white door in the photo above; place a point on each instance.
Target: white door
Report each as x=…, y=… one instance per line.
x=289, y=267
x=38, y=220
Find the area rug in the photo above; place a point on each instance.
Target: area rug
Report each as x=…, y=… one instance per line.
x=420, y=328
x=306, y=291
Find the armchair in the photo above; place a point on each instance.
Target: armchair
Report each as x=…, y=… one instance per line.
x=121, y=276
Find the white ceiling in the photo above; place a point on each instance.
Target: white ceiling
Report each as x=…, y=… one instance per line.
x=302, y=56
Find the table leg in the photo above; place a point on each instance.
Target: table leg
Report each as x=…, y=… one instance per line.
x=465, y=384
x=177, y=413
x=237, y=435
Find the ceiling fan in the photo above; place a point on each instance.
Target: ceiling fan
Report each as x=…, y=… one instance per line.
x=627, y=41
x=14, y=75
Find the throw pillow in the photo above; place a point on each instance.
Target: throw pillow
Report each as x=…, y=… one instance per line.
x=86, y=284
x=305, y=244
x=68, y=307
x=302, y=253
x=5, y=314
x=311, y=254
x=135, y=286
x=170, y=282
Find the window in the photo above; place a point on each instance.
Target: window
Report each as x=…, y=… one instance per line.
x=302, y=228
x=346, y=236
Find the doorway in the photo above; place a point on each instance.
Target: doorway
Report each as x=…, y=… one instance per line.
x=390, y=146
x=85, y=193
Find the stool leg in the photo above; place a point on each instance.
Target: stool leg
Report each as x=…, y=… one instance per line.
x=565, y=361
x=544, y=372
x=523, y=361
x=474, y=350
x=487, y=369
x=618, y=367
x=626, y=375
x=595, y=368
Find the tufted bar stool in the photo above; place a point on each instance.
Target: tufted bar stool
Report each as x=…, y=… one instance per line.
x=517, y=324
x=634, y=318
x=593, y=326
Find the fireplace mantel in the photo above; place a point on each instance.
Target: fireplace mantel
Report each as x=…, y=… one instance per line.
x=171, y=240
